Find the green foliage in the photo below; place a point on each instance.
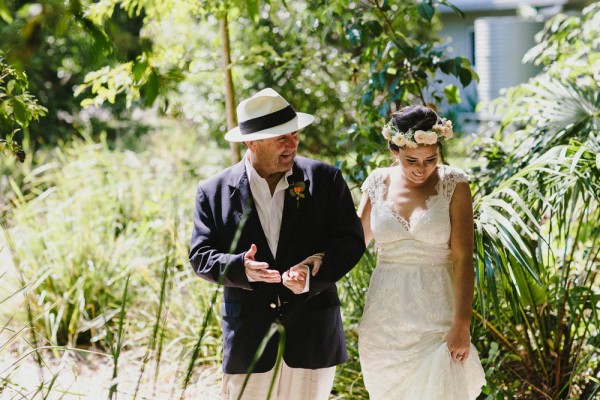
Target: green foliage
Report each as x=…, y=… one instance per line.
x=322, y=57
x=93, y=213
x=353, y=289
x=17, y=108
x=55, y=43
x=92, y=218
x=537, y=205
x=535, y=279
x=120, y=54
x=398, y=56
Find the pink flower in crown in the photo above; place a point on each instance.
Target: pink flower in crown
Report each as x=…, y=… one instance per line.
x=447, y=134
x=431, y=137
x=444, y=130
x=423, y=137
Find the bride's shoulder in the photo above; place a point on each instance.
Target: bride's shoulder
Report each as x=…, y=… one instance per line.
x=450, y=177
x=453, y=174
x=382, y=172
x=376, y=179
x=379, y=175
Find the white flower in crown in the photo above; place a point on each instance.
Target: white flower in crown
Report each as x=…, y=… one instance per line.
x=399, y=140
x=387, y=133
x=411, y=145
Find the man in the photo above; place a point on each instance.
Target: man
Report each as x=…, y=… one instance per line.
x=264, y=228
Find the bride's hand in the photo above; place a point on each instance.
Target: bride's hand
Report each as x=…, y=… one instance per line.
x=459, y=343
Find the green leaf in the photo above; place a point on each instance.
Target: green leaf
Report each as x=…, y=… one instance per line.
x=374, y=27
x=367, y=98
x=394, y=86
x=452, y=94
x=426, y=11
x=465, y=77
x=252, y=6
x=5, y=13
x=451, y=66
x=384, y=109
x=139, y=68
x=20, y=112
x=354, y=34
x=101, y=39
x=452, y=6
x=150, y=89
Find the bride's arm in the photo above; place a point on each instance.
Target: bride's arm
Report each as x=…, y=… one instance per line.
x=364, y=213
x=461, y=246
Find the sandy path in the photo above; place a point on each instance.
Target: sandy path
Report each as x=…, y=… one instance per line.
x=88, y=376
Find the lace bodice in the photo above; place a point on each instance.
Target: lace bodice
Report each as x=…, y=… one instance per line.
x=426, y=235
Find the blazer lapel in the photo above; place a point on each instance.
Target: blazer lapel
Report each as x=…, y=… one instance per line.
x=291, y=207
x=245, y=210
x=240, y=192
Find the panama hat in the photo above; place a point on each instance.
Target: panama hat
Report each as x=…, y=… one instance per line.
x=266, y=115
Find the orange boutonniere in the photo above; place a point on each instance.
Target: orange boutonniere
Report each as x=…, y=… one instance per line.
x=297, y=191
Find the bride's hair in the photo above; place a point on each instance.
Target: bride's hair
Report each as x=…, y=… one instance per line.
x=414, y=118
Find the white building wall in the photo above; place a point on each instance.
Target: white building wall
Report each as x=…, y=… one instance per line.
x=500, y=44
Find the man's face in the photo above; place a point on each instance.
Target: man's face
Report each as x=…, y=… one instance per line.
x=273, y=156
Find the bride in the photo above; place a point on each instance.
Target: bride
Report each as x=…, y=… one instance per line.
x=414, y=340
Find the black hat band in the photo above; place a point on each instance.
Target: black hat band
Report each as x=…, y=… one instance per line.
x=267, y=121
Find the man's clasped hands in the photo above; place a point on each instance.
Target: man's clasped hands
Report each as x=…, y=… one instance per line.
x=294, y=278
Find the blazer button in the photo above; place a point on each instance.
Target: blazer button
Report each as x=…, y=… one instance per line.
x=273, y=305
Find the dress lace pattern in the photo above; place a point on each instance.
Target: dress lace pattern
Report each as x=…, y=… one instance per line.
x=410, y=302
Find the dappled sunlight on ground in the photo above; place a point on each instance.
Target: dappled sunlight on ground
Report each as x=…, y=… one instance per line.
x=89, y=376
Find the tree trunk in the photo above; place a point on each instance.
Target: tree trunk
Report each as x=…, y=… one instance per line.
x=229, y=92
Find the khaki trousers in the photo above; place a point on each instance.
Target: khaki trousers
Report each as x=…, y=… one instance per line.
x=291, y=384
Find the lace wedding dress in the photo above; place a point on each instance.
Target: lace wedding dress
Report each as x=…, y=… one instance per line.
x=410, y=302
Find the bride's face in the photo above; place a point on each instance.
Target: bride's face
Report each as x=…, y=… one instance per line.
x=418, y=164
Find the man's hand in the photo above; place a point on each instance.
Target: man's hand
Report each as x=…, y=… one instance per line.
x=258, y=271
x=315, y=261
x=295, y=278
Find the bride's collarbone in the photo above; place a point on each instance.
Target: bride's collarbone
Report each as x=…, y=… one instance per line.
x=407, y=201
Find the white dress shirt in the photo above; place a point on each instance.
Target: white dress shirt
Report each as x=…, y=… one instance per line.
x=269, y=207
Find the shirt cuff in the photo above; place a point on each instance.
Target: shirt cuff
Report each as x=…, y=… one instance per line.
x=307, y=285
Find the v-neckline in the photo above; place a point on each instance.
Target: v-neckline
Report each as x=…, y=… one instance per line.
x=409, y=224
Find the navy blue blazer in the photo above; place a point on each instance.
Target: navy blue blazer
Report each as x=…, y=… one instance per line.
x=324, y=220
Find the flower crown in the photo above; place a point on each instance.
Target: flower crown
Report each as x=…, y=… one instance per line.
x=439, y=133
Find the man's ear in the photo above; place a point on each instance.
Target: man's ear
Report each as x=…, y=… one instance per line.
x=250, y=145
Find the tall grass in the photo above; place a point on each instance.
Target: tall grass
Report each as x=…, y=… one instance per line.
x=353, y=289
x=89, y=219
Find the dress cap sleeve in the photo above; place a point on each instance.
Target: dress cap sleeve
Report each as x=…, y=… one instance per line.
x=452, y=176
x=374, y=185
